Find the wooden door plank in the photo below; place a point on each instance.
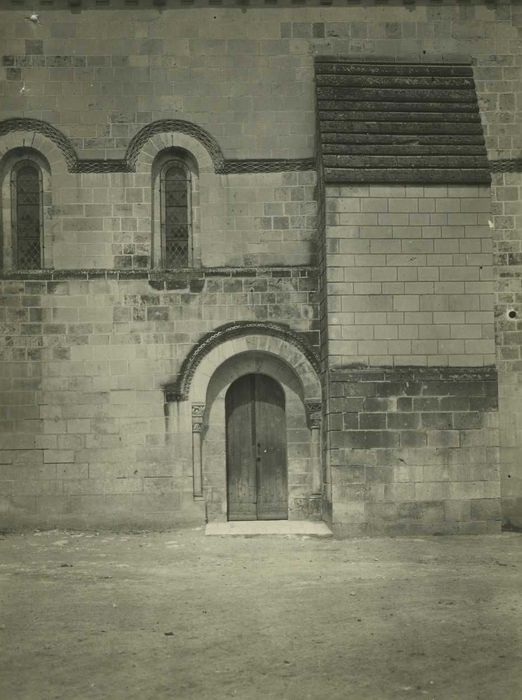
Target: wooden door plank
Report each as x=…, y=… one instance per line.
x=270, y=422
x=240, y=438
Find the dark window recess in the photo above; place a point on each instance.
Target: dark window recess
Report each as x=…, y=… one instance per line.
x=175, y=210
x=28, y=217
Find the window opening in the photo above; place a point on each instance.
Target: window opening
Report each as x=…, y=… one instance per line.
x=27, y=212
x=175, y=214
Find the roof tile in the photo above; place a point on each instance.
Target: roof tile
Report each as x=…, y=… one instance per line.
x=398, y=122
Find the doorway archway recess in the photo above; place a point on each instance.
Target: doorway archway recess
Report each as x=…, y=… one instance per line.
x=211, y=366
x=256, y=448
x=231, y=339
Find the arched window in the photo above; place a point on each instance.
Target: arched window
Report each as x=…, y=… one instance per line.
x=175, y=209
x=26, y=241
x=27, y=215
x=175, y=216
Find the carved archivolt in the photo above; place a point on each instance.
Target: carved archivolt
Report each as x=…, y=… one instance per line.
x=174, y=126
x=231, y=352
x=47, y=130
x=128, y=163
x=179, y=390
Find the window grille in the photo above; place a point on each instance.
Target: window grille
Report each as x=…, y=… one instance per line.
x=27, y=215
x=175, y=214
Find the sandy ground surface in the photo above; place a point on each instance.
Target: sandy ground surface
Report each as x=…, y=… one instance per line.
x=180, y=615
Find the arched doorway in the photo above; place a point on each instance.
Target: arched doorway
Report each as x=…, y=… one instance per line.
x=256, y=449
x=201, y=388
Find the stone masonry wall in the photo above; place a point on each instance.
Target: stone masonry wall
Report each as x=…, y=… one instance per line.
x=409, y=275
x=412, y=444
x=100, y=73
x=105, y=220
x=84, y=436
x=414, y=450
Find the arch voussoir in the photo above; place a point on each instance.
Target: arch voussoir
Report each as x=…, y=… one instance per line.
x=235, y=338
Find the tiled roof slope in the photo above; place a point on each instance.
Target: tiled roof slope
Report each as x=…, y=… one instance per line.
x=398, y=123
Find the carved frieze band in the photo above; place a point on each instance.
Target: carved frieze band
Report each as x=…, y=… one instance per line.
x=221, y=165
x=268, y=166
x=128, y=163
x=513, y=165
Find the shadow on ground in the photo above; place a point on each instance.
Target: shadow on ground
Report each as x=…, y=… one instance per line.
x=180, y=615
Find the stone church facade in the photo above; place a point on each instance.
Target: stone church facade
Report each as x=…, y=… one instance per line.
x=261, y=260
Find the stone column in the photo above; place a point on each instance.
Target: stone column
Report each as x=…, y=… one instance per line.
x=313, y=413
x=198, y=409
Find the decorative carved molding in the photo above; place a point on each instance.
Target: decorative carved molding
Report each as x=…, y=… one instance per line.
x=128, y=163
x=313, y=405
x=313, y=409
x=158, y=279
x=198, y=410
x=41, y=127
x=179, y=126
x=93, y=165
x=313, y=412
x=221, y=165
x=506, y=165
x=268, y=166
x=414, y=373
x=179, y=390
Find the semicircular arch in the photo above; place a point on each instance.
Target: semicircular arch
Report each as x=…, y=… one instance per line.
x=37, y=126
x=237, y=338
x=176, y=126
x=127, y=164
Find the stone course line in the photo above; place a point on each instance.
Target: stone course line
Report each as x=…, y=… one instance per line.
x=221, y=164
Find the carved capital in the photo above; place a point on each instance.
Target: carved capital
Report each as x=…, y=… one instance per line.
x=198, y=410
x=313, y=412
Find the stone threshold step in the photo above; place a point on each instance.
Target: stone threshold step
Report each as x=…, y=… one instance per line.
x=269, y=527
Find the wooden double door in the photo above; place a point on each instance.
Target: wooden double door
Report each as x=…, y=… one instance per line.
x=257, y=479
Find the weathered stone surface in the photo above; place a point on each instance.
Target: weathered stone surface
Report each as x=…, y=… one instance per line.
x=399, y=101
x=411, y=474
x=406, y=176
x=409, y=277
x=328, y=66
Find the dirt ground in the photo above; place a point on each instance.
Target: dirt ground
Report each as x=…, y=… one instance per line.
x=180, y=615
